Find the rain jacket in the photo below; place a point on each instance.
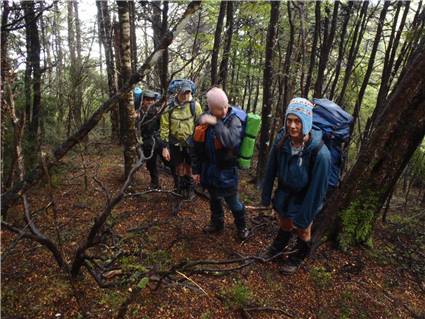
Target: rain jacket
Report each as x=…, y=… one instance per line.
x=178, y=123
x=215, y=155
x=302, y=184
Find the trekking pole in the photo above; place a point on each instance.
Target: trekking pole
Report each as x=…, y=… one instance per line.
x=258, y=207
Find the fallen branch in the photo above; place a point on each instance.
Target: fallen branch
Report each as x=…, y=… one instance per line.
x=258, y=309
x=90, y=241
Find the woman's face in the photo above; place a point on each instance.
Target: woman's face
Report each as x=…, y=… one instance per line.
x=294, y=126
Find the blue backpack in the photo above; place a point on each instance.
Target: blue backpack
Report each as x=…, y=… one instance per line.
x=334, y=123
x=137, y=92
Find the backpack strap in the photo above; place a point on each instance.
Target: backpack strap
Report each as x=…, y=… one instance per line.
x=313, y=156
x=192, y=107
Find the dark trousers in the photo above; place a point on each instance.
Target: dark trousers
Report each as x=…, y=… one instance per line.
x=151, y=164
x=232, y=199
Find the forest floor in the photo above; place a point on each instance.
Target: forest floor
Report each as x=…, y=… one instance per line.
x=156, y=231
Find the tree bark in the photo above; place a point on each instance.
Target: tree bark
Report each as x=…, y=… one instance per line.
x=160, y=28
x=353, y=209
x=389, y=60
x=313, y=49
x=341, y=50
x=355, y=44
x=267, y=87
x=217, y=42
x=133, y=38
x=59, y=67
x=287, y=66
x=370, y=64
x=78, y=68
x=127, y=112
x=227, y=46
x=106, y=39
x=325, y=50
x=6, y=181
x=33, y=59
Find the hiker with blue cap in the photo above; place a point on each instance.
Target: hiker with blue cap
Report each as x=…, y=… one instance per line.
x=300, y=161
x=177, y=125
x=148, y=124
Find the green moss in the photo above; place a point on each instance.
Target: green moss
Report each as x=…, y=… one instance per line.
x=238, y=296
x=357, y=221
x=321, y=278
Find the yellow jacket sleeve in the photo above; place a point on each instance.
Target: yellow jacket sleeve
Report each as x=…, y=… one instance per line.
x=164, y=128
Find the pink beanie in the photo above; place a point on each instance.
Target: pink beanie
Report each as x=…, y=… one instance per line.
x=217, y=97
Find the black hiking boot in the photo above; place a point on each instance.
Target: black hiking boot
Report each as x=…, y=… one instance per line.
x=294, y=261
x=213, y=228
x=179, y=185
x=242, y=231
x=280, y=241
x=190, y=188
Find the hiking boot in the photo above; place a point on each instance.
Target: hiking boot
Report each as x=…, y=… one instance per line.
x=242, y=230
x=154, y=186
x=213, y=228
x=243, y=233
x=280, y=241
x=190, y=194
x=188, y=187
x=179, y=185
x=294, y=261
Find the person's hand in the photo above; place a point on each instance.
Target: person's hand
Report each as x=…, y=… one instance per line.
x=196, y=178
x=166, y=154
x=208, y=119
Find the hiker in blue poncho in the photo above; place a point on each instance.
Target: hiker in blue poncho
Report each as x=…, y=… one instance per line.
x=215, y=151
x=300, y=162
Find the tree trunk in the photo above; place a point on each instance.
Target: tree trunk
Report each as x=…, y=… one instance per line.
x=341, y=50
x=416, y=27
x=370, y=64
x=389, y=61
x=325, y=50
x=303, y=51
x=106, y=39
x=257, y=94
x=33, y=58
x=4, y=43
x=313, y=49
x=217, y=42
x=355, y=44
x=127, y=112
x=59, y=67
x=78, y=77
x=133, y=38
x=234, y=76
x=364, y=190
x=267, y=87
x=6, y=181
x=71, y=45
x=227, y=46
x=160, y=27
x=287, y=66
